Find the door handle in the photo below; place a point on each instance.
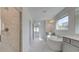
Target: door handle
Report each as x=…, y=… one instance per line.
x=6, y=29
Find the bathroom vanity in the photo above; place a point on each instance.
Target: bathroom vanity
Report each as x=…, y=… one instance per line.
x=70, y=44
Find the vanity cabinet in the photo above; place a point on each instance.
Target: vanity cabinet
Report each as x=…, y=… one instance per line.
x=70, y=45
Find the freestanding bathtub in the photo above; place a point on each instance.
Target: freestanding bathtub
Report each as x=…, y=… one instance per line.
x=55, y=43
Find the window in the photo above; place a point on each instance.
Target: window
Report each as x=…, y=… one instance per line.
x=62, y=24
x=36, y=29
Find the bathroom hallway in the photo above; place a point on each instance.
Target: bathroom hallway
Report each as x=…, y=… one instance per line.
x=39, y=29
x=39, y=45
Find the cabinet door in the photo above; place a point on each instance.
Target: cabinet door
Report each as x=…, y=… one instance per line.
x=69, y=48
x=10, y=37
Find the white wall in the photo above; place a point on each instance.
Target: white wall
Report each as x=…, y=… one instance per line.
x=43, y=29
x=77, y=20
x=26, y=31
x=48, y=27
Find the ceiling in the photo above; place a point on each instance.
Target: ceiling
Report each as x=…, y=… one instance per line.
x=44, y=13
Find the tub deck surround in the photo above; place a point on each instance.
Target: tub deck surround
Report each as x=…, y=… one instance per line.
x=56, y=38
x=55, y=43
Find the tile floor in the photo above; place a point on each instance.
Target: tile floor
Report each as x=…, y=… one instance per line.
x=40, y=45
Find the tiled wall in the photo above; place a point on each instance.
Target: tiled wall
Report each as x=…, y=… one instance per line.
x=10, y=40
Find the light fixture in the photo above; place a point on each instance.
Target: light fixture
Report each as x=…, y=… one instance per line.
x=44, y=11
x=51, y=21
x=39, y=23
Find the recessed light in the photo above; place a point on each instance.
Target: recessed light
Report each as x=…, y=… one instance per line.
x=44, y=11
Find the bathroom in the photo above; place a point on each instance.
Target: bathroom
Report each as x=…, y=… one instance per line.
x=65, y=31
x=40, y=29
x=60, y=32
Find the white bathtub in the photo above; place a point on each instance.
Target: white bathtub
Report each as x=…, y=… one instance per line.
x=54, y=43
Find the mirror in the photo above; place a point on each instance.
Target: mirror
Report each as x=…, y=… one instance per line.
x=62, y=24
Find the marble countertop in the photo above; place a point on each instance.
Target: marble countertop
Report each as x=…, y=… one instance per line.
x=74, y=37
x=55, y=38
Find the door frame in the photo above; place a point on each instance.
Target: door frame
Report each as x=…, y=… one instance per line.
x=20, y=22
x=20, y=49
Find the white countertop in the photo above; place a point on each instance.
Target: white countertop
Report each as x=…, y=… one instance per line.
x=55, y=38
x=74, y=37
